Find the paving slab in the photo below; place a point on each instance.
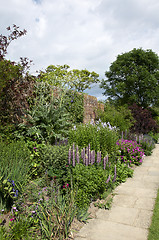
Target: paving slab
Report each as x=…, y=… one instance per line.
x=132, y=206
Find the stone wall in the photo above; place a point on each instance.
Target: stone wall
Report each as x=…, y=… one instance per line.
x=90, y=106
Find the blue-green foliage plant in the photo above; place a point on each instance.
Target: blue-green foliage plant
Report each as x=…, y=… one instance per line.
x=101, y=136
x=46, y=120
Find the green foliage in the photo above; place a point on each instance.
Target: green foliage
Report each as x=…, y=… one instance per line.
x=56, y=215
x=101, y=137
x=61, y=77
x=147, y=144
x=90, y=183
x=54, y=161
x=73, y=102
x=15, y=166
x=123, y=171
x=133, y=77
x=117, y=116
x=7, y=132
x=45, y=122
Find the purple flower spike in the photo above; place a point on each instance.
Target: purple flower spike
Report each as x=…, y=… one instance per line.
x=69, y=156
x=77, y=156
x=98, y=157
x=86, y=160
x=114, y=174
x=73, y=156
x=108, y=179
x=89, y=153
x=73, y=160
x=92, y=157
x=104, y=162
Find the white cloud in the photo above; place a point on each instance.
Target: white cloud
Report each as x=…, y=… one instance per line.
x=83, y=34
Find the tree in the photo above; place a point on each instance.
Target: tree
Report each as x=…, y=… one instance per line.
x=133, y=78
x=61, y=77
x=16, y=84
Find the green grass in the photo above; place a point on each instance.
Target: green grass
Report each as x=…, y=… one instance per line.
x=154, y=228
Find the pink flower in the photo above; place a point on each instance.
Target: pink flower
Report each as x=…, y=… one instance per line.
x=12, y=219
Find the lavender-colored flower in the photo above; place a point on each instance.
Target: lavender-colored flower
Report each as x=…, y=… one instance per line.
x=114, y=174
x=77, y=154
x=69, y=156
x=108, y=179
x=104, y=162
x=92, y=157
x=86, y=160
x=73, y=160
x=98, y=157
x=89, y=153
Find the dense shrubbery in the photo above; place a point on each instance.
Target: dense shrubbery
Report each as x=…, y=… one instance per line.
x=101, y=136
x=117, y=116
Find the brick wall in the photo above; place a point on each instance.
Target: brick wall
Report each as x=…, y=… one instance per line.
x=90, y=106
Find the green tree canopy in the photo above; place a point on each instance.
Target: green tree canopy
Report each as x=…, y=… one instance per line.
x=61, y=77
x=133, y=77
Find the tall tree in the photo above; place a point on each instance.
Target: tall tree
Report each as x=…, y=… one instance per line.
x=133, y=77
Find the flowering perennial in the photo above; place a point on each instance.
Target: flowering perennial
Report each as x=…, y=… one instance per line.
x=131, y=152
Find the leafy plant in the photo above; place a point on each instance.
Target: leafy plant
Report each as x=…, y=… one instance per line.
x=56, y=214
x=117, y=116
x=73, y=102
x=101, y=136
x=46, y=122
x=14, y=171
x=89, y=183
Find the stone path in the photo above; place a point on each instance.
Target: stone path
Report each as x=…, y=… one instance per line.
x=132, y=208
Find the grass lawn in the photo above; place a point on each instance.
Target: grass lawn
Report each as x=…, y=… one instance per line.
x=154, y=228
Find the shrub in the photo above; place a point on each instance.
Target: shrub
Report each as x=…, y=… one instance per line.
x=120, y=117
x=73, y=102
x=89, y=183
x=54, y=161
x=144, y=123
x=101, y=136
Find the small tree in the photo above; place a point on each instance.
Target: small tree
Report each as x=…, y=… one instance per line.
x=15, y=82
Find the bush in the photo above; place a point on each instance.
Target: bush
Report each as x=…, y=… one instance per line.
x=89, y=182
x=101, y=137
x=144, y=123
x=120, y=117
x=73, y=102
x=54, y=161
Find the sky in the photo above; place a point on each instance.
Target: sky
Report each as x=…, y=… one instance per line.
x=84, y=34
